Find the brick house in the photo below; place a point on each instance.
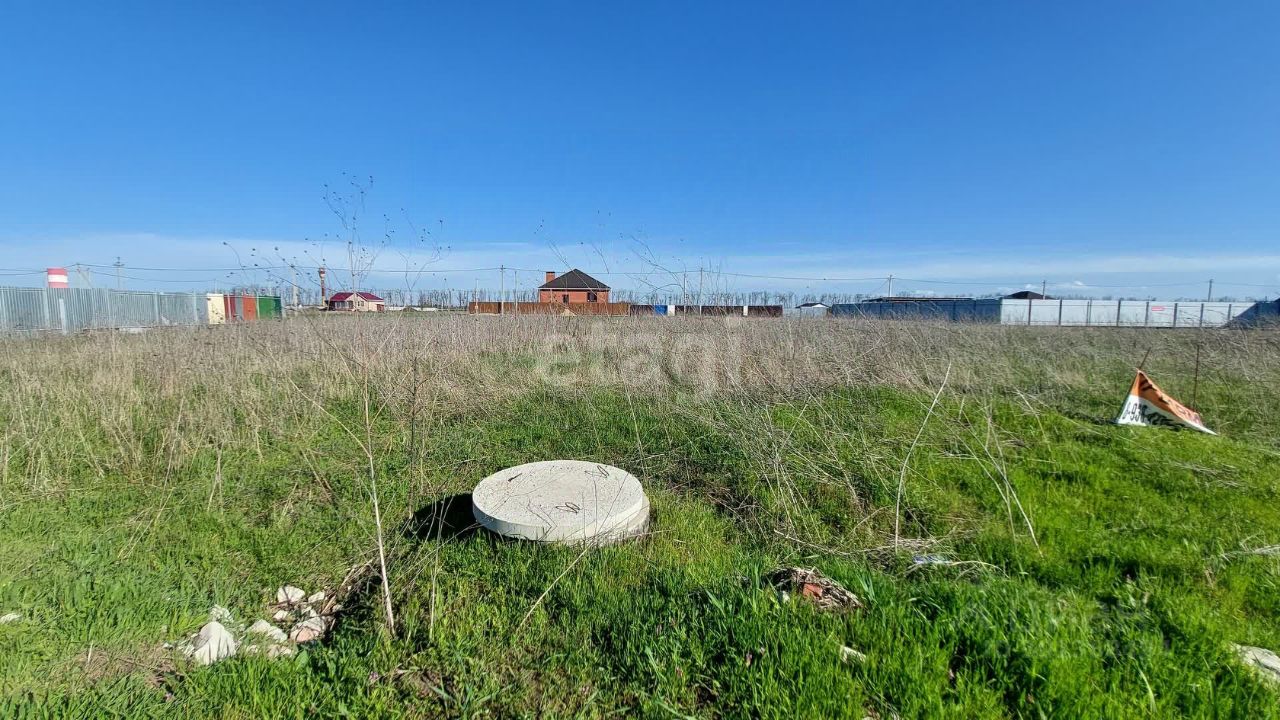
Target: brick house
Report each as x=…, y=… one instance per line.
x=357, y=302
x=574, y=286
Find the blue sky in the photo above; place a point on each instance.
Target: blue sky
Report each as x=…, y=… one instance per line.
x=992, y=144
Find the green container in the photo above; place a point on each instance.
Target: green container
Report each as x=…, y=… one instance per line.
x=268, y=306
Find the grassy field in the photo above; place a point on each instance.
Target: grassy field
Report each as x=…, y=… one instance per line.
x=1093, y=570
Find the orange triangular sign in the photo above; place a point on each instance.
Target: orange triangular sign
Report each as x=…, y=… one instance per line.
x=1147, y=404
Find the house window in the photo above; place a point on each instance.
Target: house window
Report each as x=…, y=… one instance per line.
x=591, y=297
x=566, y=298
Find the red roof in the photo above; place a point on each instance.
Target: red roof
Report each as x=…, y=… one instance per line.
x=342, y=296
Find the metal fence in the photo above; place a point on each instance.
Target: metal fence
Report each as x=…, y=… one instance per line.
x=72, y=309
x=1121, y=313
x=1083, y=313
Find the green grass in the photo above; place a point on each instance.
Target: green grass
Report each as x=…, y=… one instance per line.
x=1123, y=604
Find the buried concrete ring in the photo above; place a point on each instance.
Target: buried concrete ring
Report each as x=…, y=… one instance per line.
x=562, y=501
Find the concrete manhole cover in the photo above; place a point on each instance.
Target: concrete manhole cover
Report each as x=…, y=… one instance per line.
x=565, y=501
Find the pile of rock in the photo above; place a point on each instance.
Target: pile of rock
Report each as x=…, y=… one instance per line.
x=308, y=617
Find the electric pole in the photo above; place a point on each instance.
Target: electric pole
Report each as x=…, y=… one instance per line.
x=1044, y=285
x=1210, y=298
x=699, y=289
x=890, y=286
x=502, y=286
x=117, y=265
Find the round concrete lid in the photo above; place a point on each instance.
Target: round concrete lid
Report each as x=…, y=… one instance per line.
x=567, y=501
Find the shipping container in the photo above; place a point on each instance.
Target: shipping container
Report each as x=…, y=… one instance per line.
x=216, y=308
x=249, y=303
x=268, y=307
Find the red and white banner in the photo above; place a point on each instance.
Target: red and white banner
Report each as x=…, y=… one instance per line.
x=1147, y=404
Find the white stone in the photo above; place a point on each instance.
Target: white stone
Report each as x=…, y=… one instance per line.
x=9, y=617
x=317, y=597
x=267, y=630
x=1264, y=661
x=288, y=594
x=850, y=655
x=219, y=614
x=276, y=651
x=280, y=616
x=212, y=644
x=308, y=630
x=565, y=501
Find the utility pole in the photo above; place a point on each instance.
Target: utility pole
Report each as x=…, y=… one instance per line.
x=1210, y=298
x=890, y=286
x=502, y=286
x=295, y=286
x=117, y=265
x=324, y=297
x=699, y=289
x=1044, y=285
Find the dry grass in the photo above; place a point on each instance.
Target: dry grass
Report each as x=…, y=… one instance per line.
x=153, y=400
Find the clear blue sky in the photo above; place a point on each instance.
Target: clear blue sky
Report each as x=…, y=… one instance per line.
x=986, y=142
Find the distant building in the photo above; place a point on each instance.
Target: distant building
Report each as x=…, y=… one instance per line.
x=1027, y=295
x=809, y=309
x=357, y=302
x=574, y=286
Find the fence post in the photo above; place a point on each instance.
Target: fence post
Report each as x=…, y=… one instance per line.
x=1175, y=314
x=44, y=308
x=62, y=315
x=1146, y=315
x=155, y=308
x=1119, y=307
x=1059, y=312
x=1202, y=314
x=4, y=310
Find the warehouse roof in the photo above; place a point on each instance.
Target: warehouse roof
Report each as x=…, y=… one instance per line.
x=575, y=279
x=339, y=297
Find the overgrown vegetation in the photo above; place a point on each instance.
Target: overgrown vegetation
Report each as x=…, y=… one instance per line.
x=1088, y=570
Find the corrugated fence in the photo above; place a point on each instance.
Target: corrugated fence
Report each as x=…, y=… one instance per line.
x=74, y=309
x=1087, y=313
x=533, y=308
